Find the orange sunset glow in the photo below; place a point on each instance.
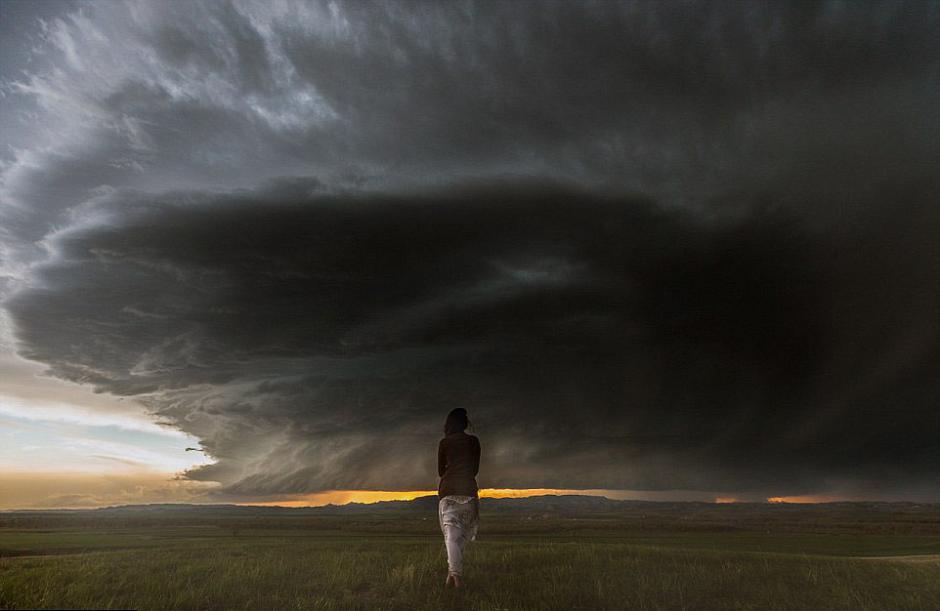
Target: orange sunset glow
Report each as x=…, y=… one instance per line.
x=811, y=498
x=340, y=497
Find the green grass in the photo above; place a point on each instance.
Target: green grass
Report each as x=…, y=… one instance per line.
x=311, y=567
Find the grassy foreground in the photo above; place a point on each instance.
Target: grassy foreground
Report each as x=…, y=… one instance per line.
x=400, y=564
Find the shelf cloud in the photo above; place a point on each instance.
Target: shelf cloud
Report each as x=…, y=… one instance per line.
x=647, y=246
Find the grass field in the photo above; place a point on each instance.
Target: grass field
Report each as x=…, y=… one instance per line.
x=398, y=562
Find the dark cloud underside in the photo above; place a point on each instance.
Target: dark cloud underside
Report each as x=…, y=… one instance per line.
x=599, y=341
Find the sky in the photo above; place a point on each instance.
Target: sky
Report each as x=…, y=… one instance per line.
x=663, y=250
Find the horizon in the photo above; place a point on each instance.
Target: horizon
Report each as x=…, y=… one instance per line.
x=483, y=495
x=340, y=498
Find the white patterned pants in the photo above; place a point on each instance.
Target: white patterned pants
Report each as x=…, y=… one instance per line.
x=459, y=517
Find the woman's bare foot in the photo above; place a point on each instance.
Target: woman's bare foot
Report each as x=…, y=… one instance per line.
x=450, y=581
x=457, y=582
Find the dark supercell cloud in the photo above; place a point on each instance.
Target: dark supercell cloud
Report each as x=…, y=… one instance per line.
x=313, y=342
x=647, y=246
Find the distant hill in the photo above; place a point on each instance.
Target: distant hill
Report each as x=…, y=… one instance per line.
x=562, y=505
x=545, y=505
x=547, y=514
x=555, y=504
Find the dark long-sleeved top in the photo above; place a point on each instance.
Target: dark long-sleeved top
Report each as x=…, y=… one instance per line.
x=458, y=461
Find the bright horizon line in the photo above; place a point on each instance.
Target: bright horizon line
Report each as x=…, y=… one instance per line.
x=369, y=497
x=38, y=490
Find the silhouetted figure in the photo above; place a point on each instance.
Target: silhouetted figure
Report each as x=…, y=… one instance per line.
x=458, y=461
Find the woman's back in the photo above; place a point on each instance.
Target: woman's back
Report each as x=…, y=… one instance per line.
x=458, y=462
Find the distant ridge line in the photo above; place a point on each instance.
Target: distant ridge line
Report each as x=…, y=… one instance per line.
x=564, y=503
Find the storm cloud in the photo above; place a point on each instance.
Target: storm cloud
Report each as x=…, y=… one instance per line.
x=647, y=246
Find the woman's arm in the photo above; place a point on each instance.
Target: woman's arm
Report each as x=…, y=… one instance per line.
x=476, y=456
x=441, y=459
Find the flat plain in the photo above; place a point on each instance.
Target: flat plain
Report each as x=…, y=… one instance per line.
x=554, y=554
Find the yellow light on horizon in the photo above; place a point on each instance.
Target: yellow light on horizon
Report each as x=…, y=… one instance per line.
x=820, y=498
x=341, y=497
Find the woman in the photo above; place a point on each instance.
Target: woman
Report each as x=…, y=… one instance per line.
x=458, y=461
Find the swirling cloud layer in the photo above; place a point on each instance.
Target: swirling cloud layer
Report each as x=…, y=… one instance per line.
x=648, y=246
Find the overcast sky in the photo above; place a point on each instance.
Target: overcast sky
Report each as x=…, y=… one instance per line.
x=650, y=246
